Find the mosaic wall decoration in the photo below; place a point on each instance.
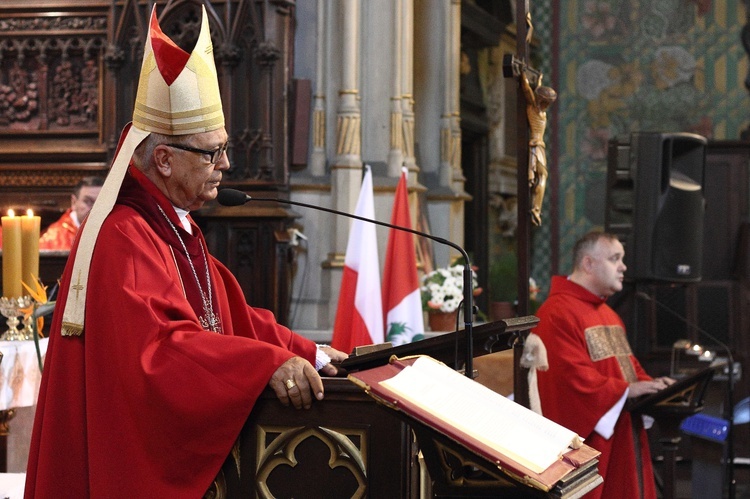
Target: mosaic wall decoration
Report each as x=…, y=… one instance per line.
x=624, y=66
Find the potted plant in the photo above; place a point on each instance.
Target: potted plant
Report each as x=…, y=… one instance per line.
x=442, y=291
x=503, y=282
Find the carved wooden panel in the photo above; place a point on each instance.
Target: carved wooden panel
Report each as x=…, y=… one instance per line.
x=51, y=102
x=344, y=446
x=69, y=73
x=50, y=69
x=254, y=244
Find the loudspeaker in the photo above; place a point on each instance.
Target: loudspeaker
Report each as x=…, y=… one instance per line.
x=656, y=204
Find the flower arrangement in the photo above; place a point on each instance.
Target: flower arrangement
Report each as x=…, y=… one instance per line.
x=443, y=289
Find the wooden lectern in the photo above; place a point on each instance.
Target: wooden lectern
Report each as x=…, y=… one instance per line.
x=346, y=445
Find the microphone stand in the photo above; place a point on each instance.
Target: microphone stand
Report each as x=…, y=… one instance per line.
x=729, y=412
x=468, y=291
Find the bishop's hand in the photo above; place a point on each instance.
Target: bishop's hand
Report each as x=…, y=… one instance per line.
x=296, y=381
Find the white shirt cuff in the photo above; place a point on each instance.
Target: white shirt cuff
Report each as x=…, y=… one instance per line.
x=606, y=425
x=321, y=358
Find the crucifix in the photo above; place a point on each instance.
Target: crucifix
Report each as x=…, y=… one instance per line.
x=538, y=98
x=513, y=67
x=531, y=122
x=531, y=171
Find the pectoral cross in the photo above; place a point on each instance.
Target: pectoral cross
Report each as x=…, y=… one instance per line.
x=210, y=321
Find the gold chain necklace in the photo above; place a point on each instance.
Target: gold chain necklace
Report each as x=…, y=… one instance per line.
x=210, y=321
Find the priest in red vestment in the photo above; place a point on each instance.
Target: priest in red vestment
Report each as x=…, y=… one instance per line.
x=61, y=233
x=592, y=371
x=154, y=359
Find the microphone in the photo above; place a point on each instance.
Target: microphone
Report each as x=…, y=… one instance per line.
x=233, y=197
x=729, y=411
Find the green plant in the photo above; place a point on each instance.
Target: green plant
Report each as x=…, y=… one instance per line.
x=503, y=278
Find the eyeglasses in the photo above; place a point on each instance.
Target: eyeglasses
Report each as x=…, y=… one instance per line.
x=213, y=156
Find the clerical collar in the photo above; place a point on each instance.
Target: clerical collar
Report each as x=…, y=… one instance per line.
x=74, y=217
x=182, y=215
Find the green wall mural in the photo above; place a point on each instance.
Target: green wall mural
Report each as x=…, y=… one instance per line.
x=623, y=66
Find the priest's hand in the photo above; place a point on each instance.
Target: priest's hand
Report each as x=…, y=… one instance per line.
x=335, y=356
x=647, y=387
x=296, y=381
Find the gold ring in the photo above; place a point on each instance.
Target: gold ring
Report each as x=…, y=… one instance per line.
x=290, y=384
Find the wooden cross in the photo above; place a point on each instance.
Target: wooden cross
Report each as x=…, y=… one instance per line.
x=513, y=65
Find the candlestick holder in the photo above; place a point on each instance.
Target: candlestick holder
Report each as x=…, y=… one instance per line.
x=10, y=308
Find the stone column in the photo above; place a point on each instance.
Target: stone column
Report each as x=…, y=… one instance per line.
x=318, y=156
x=396, y=151
x=407, y=85
x=346, y=168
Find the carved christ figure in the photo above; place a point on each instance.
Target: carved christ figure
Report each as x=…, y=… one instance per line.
x=537, y=102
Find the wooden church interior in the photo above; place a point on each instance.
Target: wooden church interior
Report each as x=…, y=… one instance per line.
x=68, y=72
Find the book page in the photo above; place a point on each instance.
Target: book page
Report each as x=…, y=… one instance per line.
x=513, y=430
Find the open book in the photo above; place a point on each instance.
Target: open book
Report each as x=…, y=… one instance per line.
x=517, y=432
x=514, y=438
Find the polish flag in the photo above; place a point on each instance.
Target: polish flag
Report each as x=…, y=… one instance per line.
x=359, y=317
x=402, y=301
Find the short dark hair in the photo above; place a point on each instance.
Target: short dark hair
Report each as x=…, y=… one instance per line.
x=91, y=181
x=586, y=243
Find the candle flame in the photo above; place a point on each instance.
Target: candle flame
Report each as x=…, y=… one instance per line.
x=29, y=212
x=11, y=213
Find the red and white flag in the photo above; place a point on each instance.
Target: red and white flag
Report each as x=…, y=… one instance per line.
x=359, y=317
x=402, y=301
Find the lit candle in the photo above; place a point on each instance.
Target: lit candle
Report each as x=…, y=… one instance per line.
x=30, y=248
x=12, y=256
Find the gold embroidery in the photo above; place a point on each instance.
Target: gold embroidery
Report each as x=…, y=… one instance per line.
x=605, y=342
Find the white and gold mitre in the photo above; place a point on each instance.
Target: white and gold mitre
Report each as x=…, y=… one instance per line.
x=178, y=93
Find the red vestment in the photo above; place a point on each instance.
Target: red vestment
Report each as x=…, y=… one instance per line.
x=60, y=233
x=590, y=367
x=146, y=403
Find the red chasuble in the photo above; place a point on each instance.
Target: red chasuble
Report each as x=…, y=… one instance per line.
x=146, y=403
x=60, y=234
x=590, y=367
